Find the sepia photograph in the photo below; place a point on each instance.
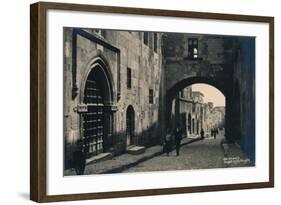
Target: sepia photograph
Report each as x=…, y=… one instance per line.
x=143, y=101
x=128, y=101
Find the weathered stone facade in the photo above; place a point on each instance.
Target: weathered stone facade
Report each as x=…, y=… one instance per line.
x=192, y=114
x=225, y=62
x=129, y=70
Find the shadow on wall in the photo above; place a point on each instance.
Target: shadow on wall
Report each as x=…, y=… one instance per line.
x=148, y=137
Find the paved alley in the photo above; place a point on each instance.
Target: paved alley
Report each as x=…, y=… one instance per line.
x=202, y=154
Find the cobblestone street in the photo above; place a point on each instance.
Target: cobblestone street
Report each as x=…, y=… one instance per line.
x=194, y=154
x=202, y=154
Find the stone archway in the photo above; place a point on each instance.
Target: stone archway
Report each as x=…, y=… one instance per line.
x=194, y=123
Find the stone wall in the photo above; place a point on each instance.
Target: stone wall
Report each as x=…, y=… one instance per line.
x=226, y=63
x=213, y=63
x=119, y=50
x=244, y=96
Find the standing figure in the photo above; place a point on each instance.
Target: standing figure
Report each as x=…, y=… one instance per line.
x=168, y=142
x=212, y=132
x=178, y=138
x=202, y=133
x=79, y=158
x=215, y=133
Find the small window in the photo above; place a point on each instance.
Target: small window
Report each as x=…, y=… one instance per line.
x=193, y=48
x=155, y=42
x=145, y=38
x=150, y=96
x=129, y=78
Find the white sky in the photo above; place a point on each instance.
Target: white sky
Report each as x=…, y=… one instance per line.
x=211, y=94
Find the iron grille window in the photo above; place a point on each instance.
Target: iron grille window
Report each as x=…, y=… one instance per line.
x=155, y=39
x=145, y=38
x=150, y=96
x=129, y=78
x=193, y=48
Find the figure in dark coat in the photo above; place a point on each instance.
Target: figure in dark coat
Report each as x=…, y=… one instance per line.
x=215, y=133
x=202, y=133
x=79, y=158
x=178, y=138
x=168, y=142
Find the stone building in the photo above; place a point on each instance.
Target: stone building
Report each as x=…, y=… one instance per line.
x=220, y=116
x=112, y=84
x=124, y=88
x=225, y=62
x=182, y=111
x=198, y=112
x=208, y=125
x=214, y=118
x=191, y=113
x=187, y=111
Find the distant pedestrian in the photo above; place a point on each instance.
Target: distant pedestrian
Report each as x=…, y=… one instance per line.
x=215, y=133
x=168, y=142
x=212, y=132
x=202, y=133
x=178, y=138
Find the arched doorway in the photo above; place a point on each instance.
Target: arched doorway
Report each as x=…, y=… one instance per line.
x=130, y=125
x=97, y=120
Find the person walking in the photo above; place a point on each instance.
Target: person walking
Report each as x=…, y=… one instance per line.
x=202, y=133
x=168, y=142
x=215, y=133
x=178, y=138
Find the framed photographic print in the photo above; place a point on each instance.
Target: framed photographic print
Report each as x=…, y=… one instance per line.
x=134, y=102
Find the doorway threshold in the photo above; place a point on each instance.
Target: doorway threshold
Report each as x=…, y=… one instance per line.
x=99, y=157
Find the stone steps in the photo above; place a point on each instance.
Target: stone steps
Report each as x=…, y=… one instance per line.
x=99, y=157
x=135, y=150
